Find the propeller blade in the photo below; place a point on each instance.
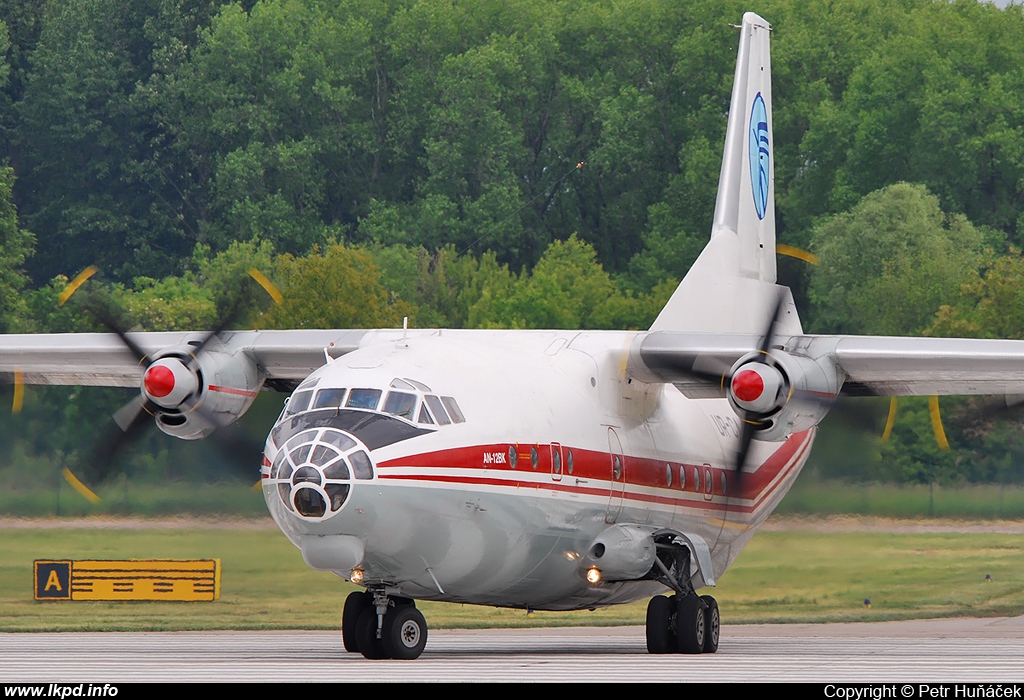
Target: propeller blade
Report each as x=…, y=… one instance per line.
x=75, y=483
x=127, y=414
x=769, y=332
x=747, y=430
x=238, y=309
x=101, y=310
x=119, y=435
x=19, y=392
x=798, y=253
x=940, y=433
x=241, y=451
x=265, y=282
x=890, y=419
x=74, y=284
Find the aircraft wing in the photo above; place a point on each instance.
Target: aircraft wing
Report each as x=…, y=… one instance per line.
x=101, y=359
x=866, y=365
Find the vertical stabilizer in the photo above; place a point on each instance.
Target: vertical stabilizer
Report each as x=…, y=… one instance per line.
x=731, y=286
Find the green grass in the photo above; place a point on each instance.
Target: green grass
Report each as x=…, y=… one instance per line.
x=975, y=501
x=787, y=576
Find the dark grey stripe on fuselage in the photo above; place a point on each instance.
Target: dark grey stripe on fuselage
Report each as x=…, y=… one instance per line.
x=375, y=430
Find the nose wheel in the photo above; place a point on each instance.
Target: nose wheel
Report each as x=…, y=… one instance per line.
x=379, y=626
x=684, y=624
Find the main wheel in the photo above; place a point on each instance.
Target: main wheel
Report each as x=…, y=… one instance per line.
x=405, y=633
x=366, y=635
x=712, y=624
x=659, y=625
x=689, y=625
x=355, y=604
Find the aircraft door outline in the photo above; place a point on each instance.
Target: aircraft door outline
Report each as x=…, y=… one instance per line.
x=557, y=462
x=616, y=476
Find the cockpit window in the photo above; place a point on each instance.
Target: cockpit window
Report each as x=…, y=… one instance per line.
x=425, y=415
x=361, y=465
x=399, y=404
x=329, y=398
x=453, y=409
x=437, y=409
x=299, y=401
x=397, y=383
x=308, y=384
x=364, y=398
x=419, y=385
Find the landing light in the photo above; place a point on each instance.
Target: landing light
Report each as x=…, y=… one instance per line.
x=593, y=575
x=356, y=576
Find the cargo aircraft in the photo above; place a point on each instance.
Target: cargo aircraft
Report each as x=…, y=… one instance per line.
x=548, y=469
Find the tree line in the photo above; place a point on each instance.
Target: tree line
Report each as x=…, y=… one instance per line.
x=524, y=163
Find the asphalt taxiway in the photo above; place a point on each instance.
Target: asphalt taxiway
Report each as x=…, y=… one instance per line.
x=926, y=651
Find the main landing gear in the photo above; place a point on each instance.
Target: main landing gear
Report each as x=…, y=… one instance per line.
x=383, y=626
x=684, y=623
x=687, y=624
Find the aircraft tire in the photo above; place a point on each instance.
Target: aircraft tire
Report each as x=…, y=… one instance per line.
x=366, y=635
x=405, y=633
x=712, y=624
x=690, y=628
x=355, y=604
x=659, y=625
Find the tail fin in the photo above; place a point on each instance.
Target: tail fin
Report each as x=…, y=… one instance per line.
x=730, y=288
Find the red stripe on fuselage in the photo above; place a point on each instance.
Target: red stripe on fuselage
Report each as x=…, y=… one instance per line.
x=757, y=485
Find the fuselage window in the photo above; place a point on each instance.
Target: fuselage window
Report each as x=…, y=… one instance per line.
x=399, y=404
x=534, y=457
x=668, y=474
x=513, y=456
x=299, y=402
x=617, y=468
x=329, y=398
x=364, y=398
x=723, y=483
x=453, y=409
x=708, y=483
x=682, y=478
x=556, y=460
x=437, y=409
x=568, y=460
x=696, y=479
x=425, y=415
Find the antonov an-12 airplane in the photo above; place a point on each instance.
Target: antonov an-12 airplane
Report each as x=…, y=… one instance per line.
x=552, y=470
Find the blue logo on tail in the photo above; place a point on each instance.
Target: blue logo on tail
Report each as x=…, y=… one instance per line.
x=760, y=156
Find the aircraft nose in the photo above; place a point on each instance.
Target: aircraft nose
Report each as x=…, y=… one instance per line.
x=315, y=471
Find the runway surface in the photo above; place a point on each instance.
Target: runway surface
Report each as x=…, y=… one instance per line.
x=928, y=651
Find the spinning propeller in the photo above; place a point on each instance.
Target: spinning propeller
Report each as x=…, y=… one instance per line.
x=174, y=383
x=754, y=389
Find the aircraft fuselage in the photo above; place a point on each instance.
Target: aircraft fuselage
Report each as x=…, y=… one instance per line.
x=500, y=505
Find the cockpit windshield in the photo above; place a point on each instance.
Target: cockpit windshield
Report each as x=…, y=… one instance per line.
x=406, y=398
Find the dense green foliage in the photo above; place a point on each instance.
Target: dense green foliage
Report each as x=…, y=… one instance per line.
x=522, y=163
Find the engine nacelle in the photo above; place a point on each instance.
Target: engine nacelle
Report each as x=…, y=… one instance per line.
x=193, y=395
x=622, y=553
x=785, y=393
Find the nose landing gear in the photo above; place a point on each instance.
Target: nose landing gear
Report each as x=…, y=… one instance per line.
x=379, y=625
